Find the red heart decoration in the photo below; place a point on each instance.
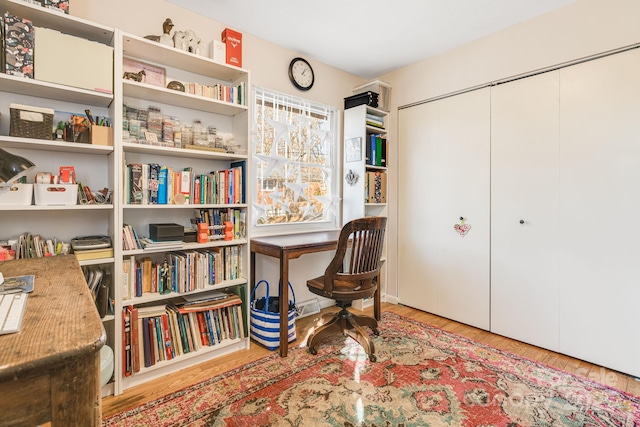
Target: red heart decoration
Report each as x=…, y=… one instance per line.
x=462, y=229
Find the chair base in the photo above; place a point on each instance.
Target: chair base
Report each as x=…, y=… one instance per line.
x=349, y=324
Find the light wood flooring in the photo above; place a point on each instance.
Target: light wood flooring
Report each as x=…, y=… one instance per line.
x=137, y=395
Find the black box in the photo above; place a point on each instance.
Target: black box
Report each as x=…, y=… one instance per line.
x=368, y=98
x=164, y=232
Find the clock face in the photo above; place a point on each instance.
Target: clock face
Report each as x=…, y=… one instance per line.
x=301, y=74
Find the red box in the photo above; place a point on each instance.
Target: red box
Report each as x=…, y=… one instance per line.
x=233, y=41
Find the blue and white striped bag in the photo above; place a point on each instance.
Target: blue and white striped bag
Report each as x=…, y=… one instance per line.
x=265, y=323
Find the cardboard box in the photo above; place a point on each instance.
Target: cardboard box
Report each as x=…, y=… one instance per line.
x=73, y=61
x=233, y=41
x=101, y=135
x=166, y=231
x=18, y=46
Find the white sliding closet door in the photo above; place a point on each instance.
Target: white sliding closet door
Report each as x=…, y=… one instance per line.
x=524, y=209
x=600, y=204
x=444, y=160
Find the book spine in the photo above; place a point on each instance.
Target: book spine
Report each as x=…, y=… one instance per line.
x=162, y=186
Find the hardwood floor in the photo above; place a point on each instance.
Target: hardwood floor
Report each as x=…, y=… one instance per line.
x=178, y=380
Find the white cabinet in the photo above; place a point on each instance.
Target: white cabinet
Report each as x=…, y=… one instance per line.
x=228, y=117
x=524, y=209
x=444, y=176
x=599, y=204
x=364, y=185
x=565, y=167
x=358, y=167
x=94, y=164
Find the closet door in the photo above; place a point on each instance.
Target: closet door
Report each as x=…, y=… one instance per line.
x=444, y=175
x=524, y=210
x=600, y=204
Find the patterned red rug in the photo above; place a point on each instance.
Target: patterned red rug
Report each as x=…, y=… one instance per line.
x=423, y=377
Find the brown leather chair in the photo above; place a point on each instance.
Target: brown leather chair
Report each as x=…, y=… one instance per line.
x=353, y=274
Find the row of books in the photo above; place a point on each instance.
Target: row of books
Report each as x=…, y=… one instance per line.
x=34, y=246
x=163, y=332
x=181, y=271
x=221, y=92
x=373, y=120
x=376, y=151
x=215, y=219
x=99, y=282
x=375, y=186
x=149, y=184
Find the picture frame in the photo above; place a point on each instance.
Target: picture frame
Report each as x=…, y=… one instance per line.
x=353, y=150
x=153, y=75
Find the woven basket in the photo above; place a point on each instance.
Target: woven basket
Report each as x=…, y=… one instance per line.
x=30, y=122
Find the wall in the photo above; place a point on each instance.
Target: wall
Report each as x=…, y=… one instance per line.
x=269, y=65
x=578, y=30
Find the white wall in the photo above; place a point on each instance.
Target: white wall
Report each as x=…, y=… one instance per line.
x=578, y=30
x=268, y=64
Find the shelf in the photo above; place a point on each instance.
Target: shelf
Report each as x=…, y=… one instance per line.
x=185, y=206
x=40, y=89
x=57, y=208
x=204, y=354
x=373, y=129
x=146, y=50
x=96, y=261
x=43, y=17
x=129, y=147
x=53, y=145
x=188, y=246
x=180, y=99
x=156, y=297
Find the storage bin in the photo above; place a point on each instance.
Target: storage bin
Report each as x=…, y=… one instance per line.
x=55, y=194
x=16, y=194
x=30, y=122
x=368, y=98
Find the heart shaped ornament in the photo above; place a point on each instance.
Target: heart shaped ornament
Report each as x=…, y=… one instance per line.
x=462, y=229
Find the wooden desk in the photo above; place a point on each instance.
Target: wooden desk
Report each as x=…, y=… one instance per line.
x=50, y=370
x=290, y=247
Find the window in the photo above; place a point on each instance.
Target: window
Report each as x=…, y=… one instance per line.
x=294, y=146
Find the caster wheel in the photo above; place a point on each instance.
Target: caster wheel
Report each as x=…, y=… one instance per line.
x=313, y=350
x=372, y=357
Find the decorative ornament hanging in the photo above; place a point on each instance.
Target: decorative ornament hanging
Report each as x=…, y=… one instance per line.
x=462, y=228
x=351, y=178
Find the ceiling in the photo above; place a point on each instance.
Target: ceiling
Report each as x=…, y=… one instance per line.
x=370, y=38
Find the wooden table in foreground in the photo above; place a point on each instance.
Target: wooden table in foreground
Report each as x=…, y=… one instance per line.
x=290, y=247
x=50, y=370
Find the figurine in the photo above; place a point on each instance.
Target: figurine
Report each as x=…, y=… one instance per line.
x=129, y=75
x=165, y=38
x=180, y=40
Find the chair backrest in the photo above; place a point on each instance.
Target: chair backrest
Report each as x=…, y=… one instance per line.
x=353, y=272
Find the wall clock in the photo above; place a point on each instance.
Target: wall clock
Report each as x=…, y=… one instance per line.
x=301, y=74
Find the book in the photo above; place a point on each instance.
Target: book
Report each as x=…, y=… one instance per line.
x=162, y=185
x=94, y=254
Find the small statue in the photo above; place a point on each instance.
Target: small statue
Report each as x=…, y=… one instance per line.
x=129, y=75
x=165, y=38
x=180, y=40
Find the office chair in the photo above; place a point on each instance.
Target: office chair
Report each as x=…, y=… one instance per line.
x=353, y=274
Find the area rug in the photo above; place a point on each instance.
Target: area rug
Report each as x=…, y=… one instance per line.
x=423, y=377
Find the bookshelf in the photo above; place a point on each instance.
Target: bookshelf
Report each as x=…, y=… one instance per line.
x=95, y=165
x=365, y=163
x=211, y=160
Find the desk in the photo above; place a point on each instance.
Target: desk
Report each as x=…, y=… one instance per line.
x=290, y=247
x=50, y=370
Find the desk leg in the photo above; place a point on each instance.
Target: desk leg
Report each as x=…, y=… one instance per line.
x=284, y=304
x=376, y=301
x=75, y=392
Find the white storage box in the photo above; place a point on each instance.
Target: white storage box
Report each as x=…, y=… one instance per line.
x=56, y=194
x=381, y=88
x=16, y=194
